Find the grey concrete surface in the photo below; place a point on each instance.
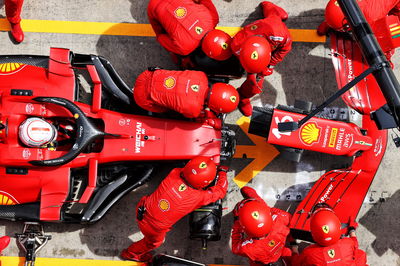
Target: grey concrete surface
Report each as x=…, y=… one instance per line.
x=306, y=73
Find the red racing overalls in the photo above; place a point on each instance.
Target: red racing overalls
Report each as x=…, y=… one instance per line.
x=275, y=31
x=171, y=201
x=269, y=248
x=13, y=10
x=181, y=24
x=343, y=253
x=181, y=91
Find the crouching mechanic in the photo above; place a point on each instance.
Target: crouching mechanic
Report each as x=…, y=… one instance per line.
x=259, y=232
x=186, y=92
x=330, y=248
x=180, y=193
x=180, y=25
x=260, y=46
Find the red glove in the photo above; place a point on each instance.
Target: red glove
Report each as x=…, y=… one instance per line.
x=268, y=71
x=323, y=29
x=214, y=122
x=352, y=223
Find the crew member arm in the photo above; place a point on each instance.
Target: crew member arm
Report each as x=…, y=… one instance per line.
x=237, y=239
x=248, y=192
x=213, y=11
x=218, y=191
x=278, y=55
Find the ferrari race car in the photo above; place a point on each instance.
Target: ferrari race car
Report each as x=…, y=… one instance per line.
x=64, y=160
x=375, y=98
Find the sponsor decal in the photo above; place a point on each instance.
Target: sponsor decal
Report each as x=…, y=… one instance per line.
x=378, y=146
x=233, y=99
x=332, y=138
x=195, y=88
x=325, y=229
x=10, y=68
x=203, y=165
x=7, y=199
x=309, y=133
x=199, y=30
x=253, y=27
x=331, y=253
x=180, y=12
x=224, y=46
x=182, y=187
x=326, y=195
x=26, y=154
x=255, y=215
x=139, y=143
x=29, y=108
x=272, y=243
x=254, y=55
x=169, y=82
x=164, y=205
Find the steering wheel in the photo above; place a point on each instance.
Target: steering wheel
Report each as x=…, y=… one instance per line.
x=86, y=132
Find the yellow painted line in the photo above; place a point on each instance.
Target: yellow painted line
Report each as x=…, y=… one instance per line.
x=126, y=29
x=19, y=261
x=262, y=152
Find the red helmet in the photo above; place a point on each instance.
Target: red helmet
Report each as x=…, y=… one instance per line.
x=334, y=16
x=325, y=227
x=255, y=54
x=224, y=98
x=199, y=172
x=216, y=44
x=255, y=218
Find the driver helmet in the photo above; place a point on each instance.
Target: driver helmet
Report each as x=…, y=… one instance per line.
x=255, y=54
x=199, y=172
x=325, y=227
x=223, y=98
x=334, y=16
x=217, y=45
x=36, y=132
x=255, y=218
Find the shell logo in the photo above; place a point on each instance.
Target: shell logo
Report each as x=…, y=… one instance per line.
x=8, y=68
x=7, y=199
x=310, y=133
x=169, y=82
x=164, y=205
x=180, y=12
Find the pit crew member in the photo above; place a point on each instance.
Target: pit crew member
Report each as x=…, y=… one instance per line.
x=186, y=92
x=181, y=192
x=330, y=248
x=254, y=52
x=259, y=232
x=13, y=13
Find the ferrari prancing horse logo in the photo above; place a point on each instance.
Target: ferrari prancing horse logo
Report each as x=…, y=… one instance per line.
x=195, y=88
x=255, y=215
x=199, y=30
x=203, y=165
x=254, y=55
x=331, y=253
x=233, y=99
x=182, y=187
x=325, y=229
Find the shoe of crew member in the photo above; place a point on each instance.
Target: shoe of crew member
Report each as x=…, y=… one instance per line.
x=16, y=32
x=272, y=9
x=126, y=255
x=245, y=107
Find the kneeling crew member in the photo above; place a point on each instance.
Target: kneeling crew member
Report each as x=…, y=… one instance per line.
x=180, y=193
x=330, y=248
x=185, y=92
x=260, y=46
x=259, y=232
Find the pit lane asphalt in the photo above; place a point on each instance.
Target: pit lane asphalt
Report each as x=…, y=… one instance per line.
x=306, y=73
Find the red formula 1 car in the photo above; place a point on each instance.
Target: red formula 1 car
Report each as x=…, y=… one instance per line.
x=343, y=190
x=63, y=160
